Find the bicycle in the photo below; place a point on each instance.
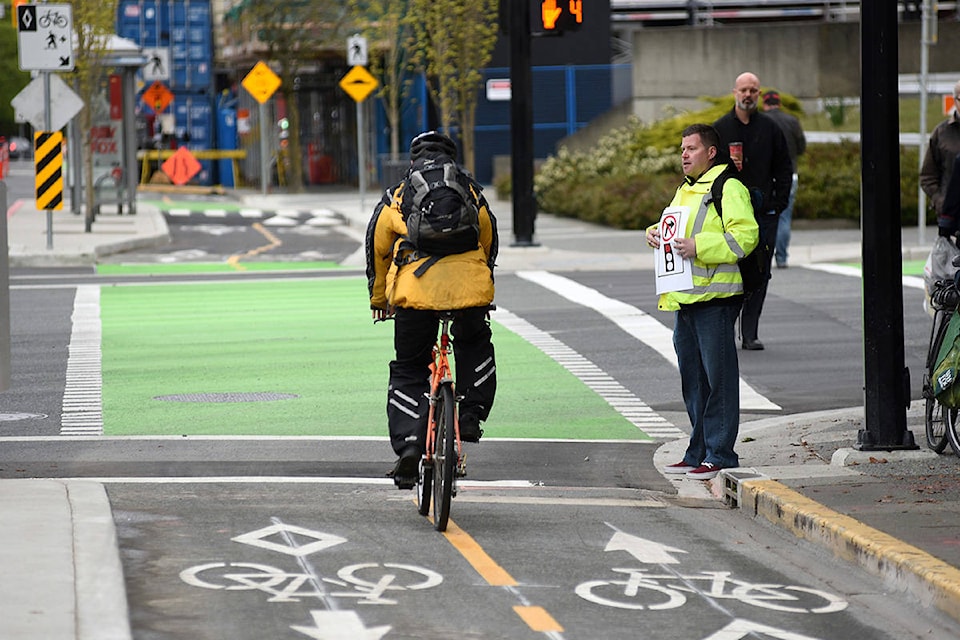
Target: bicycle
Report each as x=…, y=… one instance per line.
x=443, y=459
x=940, y=422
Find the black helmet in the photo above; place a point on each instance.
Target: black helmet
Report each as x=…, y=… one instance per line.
x=432, y=142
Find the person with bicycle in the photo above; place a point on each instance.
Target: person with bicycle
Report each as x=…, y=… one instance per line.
x=412, y=287
x=704, y=315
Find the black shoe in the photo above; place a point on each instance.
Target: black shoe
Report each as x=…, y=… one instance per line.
x=752, y=345
x=406, y=473
x=470, y=430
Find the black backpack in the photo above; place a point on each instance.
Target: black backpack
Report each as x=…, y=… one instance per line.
x=441, y=214
x=753, y=269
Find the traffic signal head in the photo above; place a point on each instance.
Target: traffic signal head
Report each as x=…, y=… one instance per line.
x=556, y=16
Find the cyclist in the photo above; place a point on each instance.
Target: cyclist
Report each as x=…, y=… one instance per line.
x=462, y=282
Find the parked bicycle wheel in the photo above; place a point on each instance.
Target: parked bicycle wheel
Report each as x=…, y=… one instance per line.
x=934, y=414
x=937, y=425
x=445, y=460
x=952, y=424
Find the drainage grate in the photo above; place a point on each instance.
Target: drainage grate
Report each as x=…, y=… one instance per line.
x=227, y=397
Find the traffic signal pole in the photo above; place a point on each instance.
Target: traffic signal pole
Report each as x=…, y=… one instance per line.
x=887, y=380
x=521, y=124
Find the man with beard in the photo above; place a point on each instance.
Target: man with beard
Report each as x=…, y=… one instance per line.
x=755, y=144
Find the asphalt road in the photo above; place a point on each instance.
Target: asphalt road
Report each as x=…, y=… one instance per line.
x=247, y=538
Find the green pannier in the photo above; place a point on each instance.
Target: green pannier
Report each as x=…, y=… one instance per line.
x=945, y=374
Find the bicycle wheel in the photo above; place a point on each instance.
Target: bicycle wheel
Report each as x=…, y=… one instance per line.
x=936, y=424
x=935, y=413
x=424, y=487
x=445, y=460
x=951, y=425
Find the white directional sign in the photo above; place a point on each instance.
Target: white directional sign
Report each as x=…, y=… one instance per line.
x=158, y=64
x=356, y=51
x=45, y=37
x=64, y=104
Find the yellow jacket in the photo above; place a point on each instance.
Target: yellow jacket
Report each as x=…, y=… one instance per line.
x=720, y=241
x=457, y=281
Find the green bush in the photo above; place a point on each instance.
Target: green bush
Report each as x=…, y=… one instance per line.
x=633, y=172
x=830, y=183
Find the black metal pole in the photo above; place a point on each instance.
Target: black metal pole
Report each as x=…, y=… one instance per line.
x=521, y=124
x=887, y=380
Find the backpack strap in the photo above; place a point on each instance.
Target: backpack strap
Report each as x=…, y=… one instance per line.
x=716, y=190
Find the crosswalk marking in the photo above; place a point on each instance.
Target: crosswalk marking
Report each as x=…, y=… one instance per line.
x=82, y=409
x=640, y=414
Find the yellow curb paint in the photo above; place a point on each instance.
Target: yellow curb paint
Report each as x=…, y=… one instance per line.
x=537, y=618
x=494, y=574
x=930, y=579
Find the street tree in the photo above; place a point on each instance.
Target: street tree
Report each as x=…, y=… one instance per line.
x=291, y=35
x=94, y=27
x=390, y=36
x=454, y=43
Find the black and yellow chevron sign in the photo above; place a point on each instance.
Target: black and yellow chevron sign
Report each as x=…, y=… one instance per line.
x=48, y=159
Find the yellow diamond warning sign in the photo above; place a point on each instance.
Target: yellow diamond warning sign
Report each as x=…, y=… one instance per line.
x=358, y=83
x=261, y=82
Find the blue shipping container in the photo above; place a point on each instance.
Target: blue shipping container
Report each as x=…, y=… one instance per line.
x=184, y=27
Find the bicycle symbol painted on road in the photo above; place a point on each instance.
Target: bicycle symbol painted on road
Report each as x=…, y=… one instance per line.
x=657, y=591
x=369, y=581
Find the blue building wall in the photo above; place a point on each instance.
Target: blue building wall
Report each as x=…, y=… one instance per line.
x=565, y=99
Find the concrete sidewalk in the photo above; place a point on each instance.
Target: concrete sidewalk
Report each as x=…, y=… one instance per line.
x=853, y=503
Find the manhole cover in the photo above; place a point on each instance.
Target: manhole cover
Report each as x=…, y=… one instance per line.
x=227, y=397
x=12, y=417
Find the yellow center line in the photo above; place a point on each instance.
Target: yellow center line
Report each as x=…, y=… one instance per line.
x=535, y=617
x=273, y=243
x=489, y=570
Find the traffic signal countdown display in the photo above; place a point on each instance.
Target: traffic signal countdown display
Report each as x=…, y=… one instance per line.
x=556, y=16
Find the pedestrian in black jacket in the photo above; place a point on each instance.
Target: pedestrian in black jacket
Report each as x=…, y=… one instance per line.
x=758, y=148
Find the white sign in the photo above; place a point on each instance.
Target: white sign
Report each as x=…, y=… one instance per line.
x=45, y=37
x=158, y=64
x=356, y=51
x=64, y=104
x=498, y=89
x=673, y=272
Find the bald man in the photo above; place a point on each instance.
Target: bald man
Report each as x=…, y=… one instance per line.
x=764, y=165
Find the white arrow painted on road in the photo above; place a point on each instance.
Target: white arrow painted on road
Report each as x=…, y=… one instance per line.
x=739, y=629
x=646, y=551
x=340, y=625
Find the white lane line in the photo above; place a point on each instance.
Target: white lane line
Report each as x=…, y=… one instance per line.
x=912, y=282
x=636, y=323
x=640, y=415
x=82, y=409
x=509, y=484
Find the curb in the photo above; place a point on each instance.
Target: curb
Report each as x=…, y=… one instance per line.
x=901, y=566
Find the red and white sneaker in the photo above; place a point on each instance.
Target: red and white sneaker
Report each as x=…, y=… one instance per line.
x=704, y=472
x=679, y=467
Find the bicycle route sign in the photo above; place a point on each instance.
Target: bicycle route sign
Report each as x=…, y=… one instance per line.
x=45, y=37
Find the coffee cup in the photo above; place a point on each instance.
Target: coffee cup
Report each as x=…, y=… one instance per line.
x=736, y=154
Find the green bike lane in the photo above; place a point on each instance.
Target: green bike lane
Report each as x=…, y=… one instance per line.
x=301, y=357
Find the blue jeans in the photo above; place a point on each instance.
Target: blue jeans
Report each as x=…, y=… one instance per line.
x=703, y=337
x=783, y=230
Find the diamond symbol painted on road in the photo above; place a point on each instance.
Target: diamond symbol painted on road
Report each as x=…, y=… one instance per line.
x=289, y=544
